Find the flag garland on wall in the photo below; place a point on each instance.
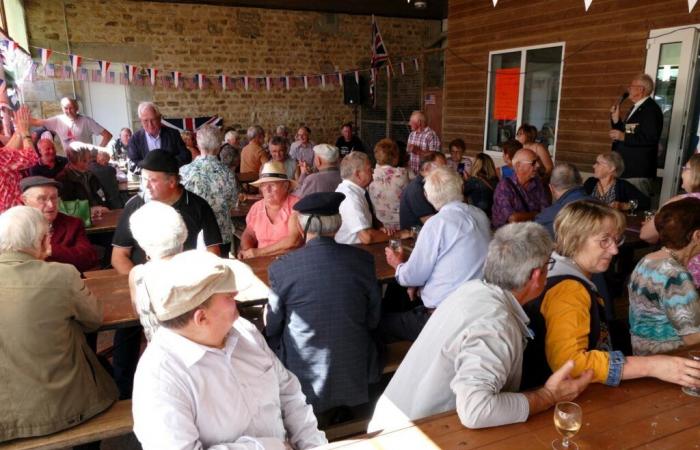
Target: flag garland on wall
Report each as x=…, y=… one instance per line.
x=104, y=72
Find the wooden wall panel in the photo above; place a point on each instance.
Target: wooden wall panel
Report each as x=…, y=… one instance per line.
x=604, y=48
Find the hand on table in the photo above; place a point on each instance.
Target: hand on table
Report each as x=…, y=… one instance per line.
x=248, y=253
x=394, y=257
x=561, y=386
x=97, y=211
x=675, y=369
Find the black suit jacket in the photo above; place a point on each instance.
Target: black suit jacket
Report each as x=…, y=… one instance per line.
x=170, y=141
x=642, y=133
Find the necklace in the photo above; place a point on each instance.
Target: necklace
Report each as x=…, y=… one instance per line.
x=673, y=254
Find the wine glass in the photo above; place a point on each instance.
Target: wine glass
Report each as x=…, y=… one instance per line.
x=633, y=206
x=695, y=392
x=567, y=420
x=395, y=244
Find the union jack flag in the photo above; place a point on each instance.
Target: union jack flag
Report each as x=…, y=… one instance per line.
x=380, y=56
x=192, y=123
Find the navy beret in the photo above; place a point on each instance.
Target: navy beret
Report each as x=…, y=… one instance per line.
x=160, y=161
x=320, y=203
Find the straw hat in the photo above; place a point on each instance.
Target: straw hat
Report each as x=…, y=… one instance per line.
x=273, y=171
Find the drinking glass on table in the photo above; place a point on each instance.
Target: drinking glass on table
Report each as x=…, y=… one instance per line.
x=567, y=420
x=395, y=244
x=633, y=206
x=695, y=392
x=414, y=231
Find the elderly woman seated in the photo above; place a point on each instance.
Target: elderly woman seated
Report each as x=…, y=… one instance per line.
x=270, y=227
x=568, y=318
x=605, y=185
x=51, y=379
x=78, y=183
x=664, y=305
x=388, y=182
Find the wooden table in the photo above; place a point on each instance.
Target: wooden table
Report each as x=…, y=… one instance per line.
x=645, y=413
x=113, y=289
x=107, y=223
x=241, y=211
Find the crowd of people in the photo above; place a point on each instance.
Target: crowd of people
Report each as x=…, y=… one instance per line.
x=503, y=287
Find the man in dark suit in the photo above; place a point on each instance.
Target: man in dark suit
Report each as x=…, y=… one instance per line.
x=323, y=304
x=637, y=137
x=154, y=136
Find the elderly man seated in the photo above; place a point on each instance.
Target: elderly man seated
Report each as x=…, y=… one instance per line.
x=321, y=329
x=449, y=251
x=521, y=196
x=208, y=379
x=51, y=380
x=253, y=155
x=107, y=176
x=49, y=164
x=414, y=208
x=270, y=227
x=469, y=356
x=360, y=224
x=327, y=177
x=565, y=186
x=78, y=183
x=69, y=243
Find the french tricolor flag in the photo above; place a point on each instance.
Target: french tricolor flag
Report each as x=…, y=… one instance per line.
x=223, y=79
x=130, y=72
x=75, y=61
x=176, y=78
x=199, y=79
x=45, y=55
x=104, y=68
x=152, y=74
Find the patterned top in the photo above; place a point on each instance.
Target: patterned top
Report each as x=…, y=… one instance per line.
x=12, y=162
x=385, y=192
x=425, y=140
x=511, y=197
x=664, y=306
x=694, y=263
x=607, y=197
x=209, y=178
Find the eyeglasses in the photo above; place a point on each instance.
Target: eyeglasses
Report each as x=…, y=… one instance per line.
x=606, y=242
x=534, y=162
x=550, y=263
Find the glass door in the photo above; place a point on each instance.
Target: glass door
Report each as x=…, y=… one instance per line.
x=671, y=62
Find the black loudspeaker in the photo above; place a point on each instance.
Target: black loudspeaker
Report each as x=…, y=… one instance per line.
x=352, y=91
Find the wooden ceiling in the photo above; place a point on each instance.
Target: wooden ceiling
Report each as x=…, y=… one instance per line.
x=436, y=9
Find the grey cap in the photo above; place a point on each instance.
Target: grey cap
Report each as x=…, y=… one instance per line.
x=31, y=182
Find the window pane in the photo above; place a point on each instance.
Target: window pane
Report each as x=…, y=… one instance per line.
x=503, y=99
x=543, y=72
x=666, y=77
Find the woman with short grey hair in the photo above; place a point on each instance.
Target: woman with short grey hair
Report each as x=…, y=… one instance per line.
x=607, y=186
x=209, y=140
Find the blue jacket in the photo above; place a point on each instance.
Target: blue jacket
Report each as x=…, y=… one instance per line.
x=547, y=216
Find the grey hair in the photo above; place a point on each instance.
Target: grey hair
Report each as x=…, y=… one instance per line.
x=442, y=186
x=615, y=160
x=515, y=251
x=282, y=129
x=351, y=163
x=22, y=228
x=420, y=116
x=158, y=229
x=255, y=131
x=230, y=134
x=327, y=225
x=646, y=81
x=565, y=176
x=73, y=101
x=75, y=155
x=143, y=106
x=209, y=140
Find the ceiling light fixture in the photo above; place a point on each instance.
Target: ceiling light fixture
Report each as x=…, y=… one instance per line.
x=418, y=4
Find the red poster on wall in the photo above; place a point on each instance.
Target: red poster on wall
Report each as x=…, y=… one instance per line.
x=507, y=88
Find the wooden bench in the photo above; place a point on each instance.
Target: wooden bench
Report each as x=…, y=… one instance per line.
x=395, y=354
x=115, y=421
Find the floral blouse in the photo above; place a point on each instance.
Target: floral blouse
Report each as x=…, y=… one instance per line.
x=385, y=193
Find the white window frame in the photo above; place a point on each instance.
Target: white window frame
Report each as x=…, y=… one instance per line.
x=521, y=92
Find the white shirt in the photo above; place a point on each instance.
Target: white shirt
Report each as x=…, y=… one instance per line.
x=189, y=396
x=354, y=212
x=468, y=357
x=80, y=130
x=153, y=143
x=637, y=105
x=450, y=250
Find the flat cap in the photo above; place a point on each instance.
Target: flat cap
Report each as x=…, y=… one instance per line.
x=31, y=182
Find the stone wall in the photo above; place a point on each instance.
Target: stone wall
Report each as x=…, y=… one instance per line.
x=237, y=41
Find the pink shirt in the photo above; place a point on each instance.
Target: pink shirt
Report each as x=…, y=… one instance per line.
x=265, y=231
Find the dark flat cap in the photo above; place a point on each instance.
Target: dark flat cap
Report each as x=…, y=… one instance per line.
x=31, y=182
x=320, y=203
x=159, y=161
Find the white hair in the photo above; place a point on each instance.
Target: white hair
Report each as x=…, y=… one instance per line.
x=159, y=229
x=353, y=162
x=22, y=228
x=255, y=131
x=143, y=106
x=209, y=140
x=442, y=186
x=321, y=225
x=230, y=134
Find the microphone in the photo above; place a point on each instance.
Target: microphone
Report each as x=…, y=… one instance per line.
x=623, y=97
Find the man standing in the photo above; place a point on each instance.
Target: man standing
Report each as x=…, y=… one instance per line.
x=253, y=156
x=69, y=243
x=154, y=136
x=209, y=178
x=566, y=186
x=73, y=127
x=161, y=180
x=449, y=251
x=469, y=356
x=327, y=178
x=421, y=141
x=348, y=142
x=50, y=164
x=302, y=149
x=521, y=196
x=414, y=208
x=636, y=138
x=332, y=354
x=208, y=380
